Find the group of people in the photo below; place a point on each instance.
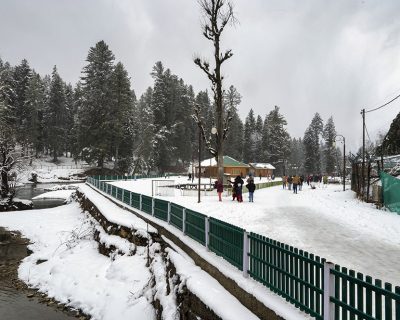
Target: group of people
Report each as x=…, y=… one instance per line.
x=293, y=182
x=296, y=182
x=237, y=188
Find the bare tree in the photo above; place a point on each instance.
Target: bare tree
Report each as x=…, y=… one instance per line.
x=217, y=14
x=7, y=161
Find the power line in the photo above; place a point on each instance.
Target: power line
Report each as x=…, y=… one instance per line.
x=384, y=105
x=366, y=130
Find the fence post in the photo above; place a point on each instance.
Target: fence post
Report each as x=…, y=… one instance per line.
x=245, y=253
x=169, y=213
x=329, y=290
x=207, y=230
x=140, y=203
x=184, y=221
x=152, y=207
x=123, y=195
x=130, y=199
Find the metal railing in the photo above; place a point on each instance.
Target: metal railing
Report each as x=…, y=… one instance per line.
x=317, y=287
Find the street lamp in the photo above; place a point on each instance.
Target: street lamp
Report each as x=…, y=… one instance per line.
x=344, y=159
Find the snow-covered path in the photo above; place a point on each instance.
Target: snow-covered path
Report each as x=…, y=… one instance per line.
x=326, y=222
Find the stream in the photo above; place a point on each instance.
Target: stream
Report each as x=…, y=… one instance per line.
x=29, y=191
x=16, y=301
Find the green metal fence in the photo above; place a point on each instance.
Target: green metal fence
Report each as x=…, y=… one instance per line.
x=195, y=225
x=119, y=194
x=390, y=192
x=176, y=216
x=161, y=209
x=226, y=240
x=127, y=197
x=147, y=204
x=135, y=201
x=289, y=272
x=301, y=278
x=361, y=297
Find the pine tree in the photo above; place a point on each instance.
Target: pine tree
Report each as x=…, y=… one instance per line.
x=164, y=112
x=22, y=75
x=121, y=114
x=312, y=163
x=258, y=134
x=95, y=117
x=265, y=140
x=279, y=140
x=391, y=145
x=55, y=114
x=296, y=155
x=35, y=105
x=143, y=134
x=249, y=152
x=329, y=135
x=234, y=141
x=69, y=119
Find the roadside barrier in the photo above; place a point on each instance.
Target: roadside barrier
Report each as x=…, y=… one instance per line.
x=319, y=288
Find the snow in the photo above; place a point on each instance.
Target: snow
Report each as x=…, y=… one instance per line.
x=74, y=272
x=209, y=290
x=47, y=171
x=59, y=194
x=327, y=222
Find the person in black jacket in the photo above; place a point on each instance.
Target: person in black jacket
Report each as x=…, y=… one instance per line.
x=239, y=185
x=251, y=187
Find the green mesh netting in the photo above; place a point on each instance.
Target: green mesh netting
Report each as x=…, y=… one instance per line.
x=390, y=192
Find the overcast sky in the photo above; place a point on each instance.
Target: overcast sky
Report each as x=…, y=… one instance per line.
x=332, y=57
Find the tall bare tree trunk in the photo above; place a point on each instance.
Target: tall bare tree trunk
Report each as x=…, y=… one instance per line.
x=217, y=14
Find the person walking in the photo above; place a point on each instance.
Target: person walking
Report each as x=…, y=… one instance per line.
x=301, y=182
x=251, y=187
x=325, y=181
x=290, y=182
x=220, y=188
x=296, y=182
x=284, y=182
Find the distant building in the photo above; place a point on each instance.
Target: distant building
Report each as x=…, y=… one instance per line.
x=265, y=169
x=232, y=167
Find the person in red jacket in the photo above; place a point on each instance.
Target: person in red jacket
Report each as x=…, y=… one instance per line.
x=220, y=188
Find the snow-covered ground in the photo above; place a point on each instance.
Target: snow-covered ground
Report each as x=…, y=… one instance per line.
x=47, y=171
x=65, y=264
x=327, y=222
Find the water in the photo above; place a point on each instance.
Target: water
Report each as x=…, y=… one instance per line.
x=14, y=305
x=29, y=191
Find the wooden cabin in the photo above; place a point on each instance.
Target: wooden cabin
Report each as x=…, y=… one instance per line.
x=263, y=169
x=232, y=168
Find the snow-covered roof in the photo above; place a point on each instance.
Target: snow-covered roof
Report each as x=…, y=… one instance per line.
x=228, y=162
x=262, y=166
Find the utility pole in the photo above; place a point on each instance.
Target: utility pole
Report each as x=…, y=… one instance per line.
x=198, y=189
x=363, y=156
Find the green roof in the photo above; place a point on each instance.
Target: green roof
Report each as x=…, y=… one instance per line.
x=230, y=162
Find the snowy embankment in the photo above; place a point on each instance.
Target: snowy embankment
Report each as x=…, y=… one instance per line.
x=65, y=264
x=59, y=194
x=326, y=221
